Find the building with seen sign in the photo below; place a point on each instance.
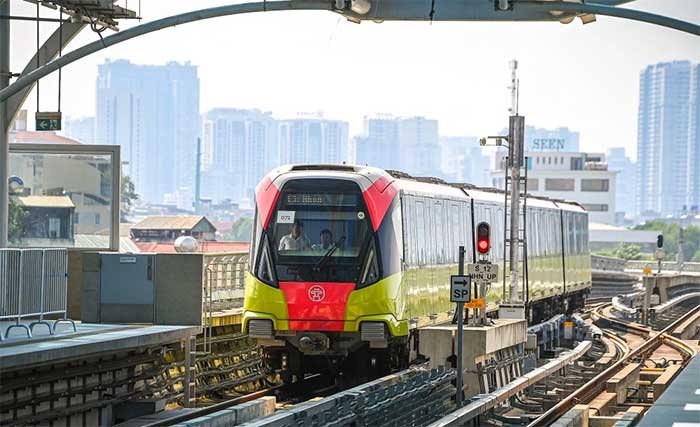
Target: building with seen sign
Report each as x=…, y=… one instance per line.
x=580, y=177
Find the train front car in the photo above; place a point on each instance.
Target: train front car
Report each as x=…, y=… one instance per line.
x=322, y=293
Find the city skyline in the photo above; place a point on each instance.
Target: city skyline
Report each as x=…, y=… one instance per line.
x=350, y=70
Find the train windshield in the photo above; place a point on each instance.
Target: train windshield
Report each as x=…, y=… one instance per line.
x=319, y=231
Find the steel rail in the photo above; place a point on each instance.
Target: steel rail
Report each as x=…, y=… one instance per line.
x=596, y=384
x=208, y=410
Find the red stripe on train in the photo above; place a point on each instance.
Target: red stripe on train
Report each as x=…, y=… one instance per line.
x=266, y=196
x=316, y=306
x=378, y=198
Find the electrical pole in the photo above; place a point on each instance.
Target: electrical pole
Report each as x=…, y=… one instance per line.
x=515, y=162
x=4, y=125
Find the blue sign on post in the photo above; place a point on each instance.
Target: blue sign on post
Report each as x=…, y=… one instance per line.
x=48, y=121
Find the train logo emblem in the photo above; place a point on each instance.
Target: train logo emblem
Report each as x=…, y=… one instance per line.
x=317, y=293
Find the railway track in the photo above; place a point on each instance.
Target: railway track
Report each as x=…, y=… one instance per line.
x=651, y=340
x=287, y=394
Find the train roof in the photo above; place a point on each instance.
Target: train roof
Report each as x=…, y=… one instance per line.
x=429, y=185
x=489, y=193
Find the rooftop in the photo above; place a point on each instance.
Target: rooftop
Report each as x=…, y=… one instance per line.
x=170, y=222
x=45, y=202
x=28, y=137
x=206, y=247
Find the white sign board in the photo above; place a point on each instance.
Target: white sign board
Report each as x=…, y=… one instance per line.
x=460, y=288
x=483, y=273
x=285, y=217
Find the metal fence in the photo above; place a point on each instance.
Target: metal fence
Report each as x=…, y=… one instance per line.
x=688, y=267
x=604, y=263
x=33, y=284
x=225, y=279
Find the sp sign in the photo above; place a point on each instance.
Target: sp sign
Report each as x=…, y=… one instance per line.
x=460, y=287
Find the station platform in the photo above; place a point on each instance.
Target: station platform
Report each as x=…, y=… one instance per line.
x=679, y=405
x=18, y=351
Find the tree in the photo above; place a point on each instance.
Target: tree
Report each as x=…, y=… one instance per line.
x=128, y=198
x=17, y=215
x=624, y=251
x=671, y=231
x=241, y=230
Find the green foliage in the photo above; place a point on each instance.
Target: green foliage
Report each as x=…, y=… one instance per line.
x=17, y=215
x=627, y=252
x=691, y=246
x=128, y=198
x=241, y=230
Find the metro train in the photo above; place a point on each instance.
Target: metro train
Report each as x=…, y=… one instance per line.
x=347, y=262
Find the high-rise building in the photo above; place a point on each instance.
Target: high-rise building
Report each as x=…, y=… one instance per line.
x=667, y=139
x=463, y=160
x=419, y=146
x=379, y=144
x=407, y=144
x=243, y=146
x=152, y=112
x=625, y=185
x=82, y=129
x=694, y=141
x=313, y=139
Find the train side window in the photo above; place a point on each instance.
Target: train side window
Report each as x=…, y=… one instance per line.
x=420, y=232
x=439, y=231
x=456, y=232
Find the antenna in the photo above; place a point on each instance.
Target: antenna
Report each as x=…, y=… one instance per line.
x=514, y=88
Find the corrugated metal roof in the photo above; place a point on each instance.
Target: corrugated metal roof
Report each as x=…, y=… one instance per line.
x=204, y=247
x=184, y=222
x=99, y=241
x=45, y=202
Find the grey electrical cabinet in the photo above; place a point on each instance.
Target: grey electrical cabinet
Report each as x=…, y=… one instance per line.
x=163, y=289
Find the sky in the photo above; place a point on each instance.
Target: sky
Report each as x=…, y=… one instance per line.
x=582, y=77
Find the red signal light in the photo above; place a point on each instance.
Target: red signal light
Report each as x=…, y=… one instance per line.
x=483, y=246
x=483, y=238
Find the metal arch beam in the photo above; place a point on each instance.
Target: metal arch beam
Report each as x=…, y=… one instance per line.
x=405, y=10
x=49, y=51
x=157, y=25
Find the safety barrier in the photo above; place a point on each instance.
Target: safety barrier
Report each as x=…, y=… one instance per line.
x=688, y=267
x=34, y=283
x=604, y=263
x=225, y=278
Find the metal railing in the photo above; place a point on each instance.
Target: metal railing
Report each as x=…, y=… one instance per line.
x=33, y=284
x=688, y=267
x=224, y=287
x=604, y=263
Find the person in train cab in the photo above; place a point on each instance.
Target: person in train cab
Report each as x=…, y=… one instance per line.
x=326, y=241
x=294, y=241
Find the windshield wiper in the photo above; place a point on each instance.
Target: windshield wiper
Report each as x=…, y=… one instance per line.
x=322, y=262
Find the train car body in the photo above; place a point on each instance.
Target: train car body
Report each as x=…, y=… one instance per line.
x=348, y=261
